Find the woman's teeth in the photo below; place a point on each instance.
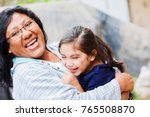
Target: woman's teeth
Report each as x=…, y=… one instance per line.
x=31, y=42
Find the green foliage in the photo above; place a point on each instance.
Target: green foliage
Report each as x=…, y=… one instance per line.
x=31, y=1
x=135, y=96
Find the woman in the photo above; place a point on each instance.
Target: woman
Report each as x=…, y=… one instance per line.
x=36, y=69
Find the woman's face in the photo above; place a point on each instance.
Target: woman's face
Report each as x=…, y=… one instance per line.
x=25, y=37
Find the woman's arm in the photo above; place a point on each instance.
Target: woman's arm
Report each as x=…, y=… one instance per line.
x=34, y=81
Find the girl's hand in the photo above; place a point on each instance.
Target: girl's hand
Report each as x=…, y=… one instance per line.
x=71, y=79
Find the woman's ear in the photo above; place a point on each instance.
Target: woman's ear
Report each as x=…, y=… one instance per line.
x=9, y=50
x=93, y=55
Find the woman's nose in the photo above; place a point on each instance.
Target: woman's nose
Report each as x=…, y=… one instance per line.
x=26, y=33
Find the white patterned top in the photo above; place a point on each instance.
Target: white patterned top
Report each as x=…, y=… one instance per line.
x=35, y=79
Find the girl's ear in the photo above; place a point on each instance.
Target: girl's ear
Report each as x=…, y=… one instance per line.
x=93, y=55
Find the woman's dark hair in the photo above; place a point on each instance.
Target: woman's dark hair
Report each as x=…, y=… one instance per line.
x=87, y=41
x=5, y=56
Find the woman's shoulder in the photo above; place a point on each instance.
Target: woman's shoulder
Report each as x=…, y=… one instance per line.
x=53, y=47
x=21, y=61
x=25, y=65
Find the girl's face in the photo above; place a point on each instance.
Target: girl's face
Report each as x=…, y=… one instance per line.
x=25, y=37
x=74, y=59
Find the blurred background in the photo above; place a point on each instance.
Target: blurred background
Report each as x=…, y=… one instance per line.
x=124, y=24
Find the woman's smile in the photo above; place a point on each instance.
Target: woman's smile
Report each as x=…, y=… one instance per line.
x=32, y=44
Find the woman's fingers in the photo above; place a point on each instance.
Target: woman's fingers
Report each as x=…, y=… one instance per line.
x=125, y=95
x=125, y=81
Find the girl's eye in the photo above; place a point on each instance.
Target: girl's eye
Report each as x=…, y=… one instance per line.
x=63, y=57
x=75, y=57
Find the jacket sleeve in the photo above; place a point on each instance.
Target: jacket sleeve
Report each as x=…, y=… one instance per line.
x=36, y=82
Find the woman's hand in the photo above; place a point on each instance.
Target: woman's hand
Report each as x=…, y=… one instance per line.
x=71, y=79
x=125, y=95
x=125, y=81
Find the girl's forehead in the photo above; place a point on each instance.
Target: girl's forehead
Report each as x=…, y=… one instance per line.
x=74, y=45
x=71, y=46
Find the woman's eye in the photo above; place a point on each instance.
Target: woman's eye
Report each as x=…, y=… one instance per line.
x=28, y=24
x=14, y=33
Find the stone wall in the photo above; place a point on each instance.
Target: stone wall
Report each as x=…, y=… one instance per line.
x=139, y=12
x=129, y=42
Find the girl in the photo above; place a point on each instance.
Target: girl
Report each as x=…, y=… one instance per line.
x=88, y=57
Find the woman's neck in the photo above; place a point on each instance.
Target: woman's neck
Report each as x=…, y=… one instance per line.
x=49, y=56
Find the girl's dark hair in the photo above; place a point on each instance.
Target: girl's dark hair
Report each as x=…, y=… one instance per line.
x=5, y=56
x=87, y=41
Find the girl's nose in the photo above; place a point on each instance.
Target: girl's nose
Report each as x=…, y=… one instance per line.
x=69, y=64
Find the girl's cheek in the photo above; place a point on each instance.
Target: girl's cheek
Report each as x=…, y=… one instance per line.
x=78, y=63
